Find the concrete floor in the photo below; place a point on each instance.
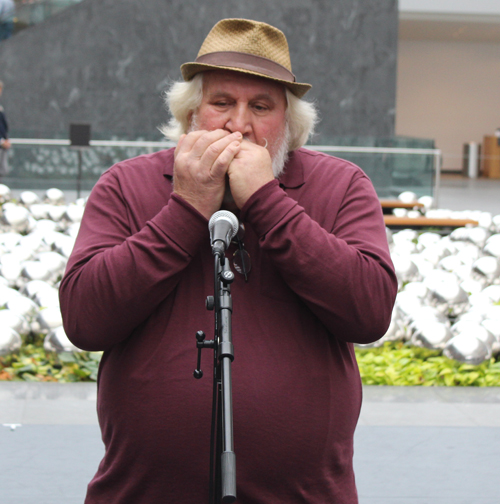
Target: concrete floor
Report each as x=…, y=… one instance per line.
x=461, y=193
x=413, y=445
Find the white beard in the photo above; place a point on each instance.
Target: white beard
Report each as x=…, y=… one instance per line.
x=281, y=156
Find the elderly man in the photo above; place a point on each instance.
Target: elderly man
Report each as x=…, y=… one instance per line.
x=318, y=279
x=7, y=13
x=4, y=140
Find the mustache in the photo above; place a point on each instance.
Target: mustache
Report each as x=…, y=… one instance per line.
x=265, y=145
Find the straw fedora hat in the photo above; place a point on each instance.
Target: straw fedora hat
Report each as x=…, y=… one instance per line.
x=249, y=47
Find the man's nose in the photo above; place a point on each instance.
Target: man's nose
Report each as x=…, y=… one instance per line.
x=240, y=120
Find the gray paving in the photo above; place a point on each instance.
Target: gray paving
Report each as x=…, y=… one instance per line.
x=422, y=445
x=427, y=465
x=48, y=464
x=413, y=445
x=462, y=193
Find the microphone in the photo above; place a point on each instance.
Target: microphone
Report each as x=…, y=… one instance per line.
x=223, y=226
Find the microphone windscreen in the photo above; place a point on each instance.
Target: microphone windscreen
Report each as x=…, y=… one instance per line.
x=221, y=216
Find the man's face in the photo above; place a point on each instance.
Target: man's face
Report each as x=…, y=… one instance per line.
x=253, y=106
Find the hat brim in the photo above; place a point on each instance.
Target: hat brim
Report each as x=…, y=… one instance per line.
x=189, y=70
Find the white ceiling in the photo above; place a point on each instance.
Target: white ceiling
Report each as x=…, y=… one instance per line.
x=450, y=7
x=450, y=20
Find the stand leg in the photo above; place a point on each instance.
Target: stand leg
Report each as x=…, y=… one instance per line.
x=79, y=175
x=228, y=457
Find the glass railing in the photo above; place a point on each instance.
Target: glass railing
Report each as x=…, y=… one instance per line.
x=394, y=164
x=406, y=165
x=44, y=163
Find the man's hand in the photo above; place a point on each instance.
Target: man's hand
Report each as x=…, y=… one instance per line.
x=202, y=159
x=5, y=143
x=250, y=169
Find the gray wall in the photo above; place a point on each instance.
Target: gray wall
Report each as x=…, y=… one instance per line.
x=107, y=62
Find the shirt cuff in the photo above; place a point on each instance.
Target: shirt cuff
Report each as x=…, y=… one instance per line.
x=267, y=207
x=182, y=224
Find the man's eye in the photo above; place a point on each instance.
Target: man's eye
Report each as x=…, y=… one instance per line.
x=260, y=108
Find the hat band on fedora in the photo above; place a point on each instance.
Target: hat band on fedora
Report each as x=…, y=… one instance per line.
x=249, y=62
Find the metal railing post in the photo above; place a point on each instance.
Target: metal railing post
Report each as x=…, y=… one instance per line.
x=437, y=178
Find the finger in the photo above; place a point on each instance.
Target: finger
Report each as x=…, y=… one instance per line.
x=197, y=141
x=187, y=141
x=179, y=143
x=216, y=148
x=198, y=151
x=221, y=164
x=247, y=145
x=201, y=142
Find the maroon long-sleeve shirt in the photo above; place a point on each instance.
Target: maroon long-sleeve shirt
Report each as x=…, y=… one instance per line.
x=135, y=287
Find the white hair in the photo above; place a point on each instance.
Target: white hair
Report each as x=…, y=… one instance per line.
x=183, y=98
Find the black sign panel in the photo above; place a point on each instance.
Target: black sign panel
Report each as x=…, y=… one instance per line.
x=79, y=135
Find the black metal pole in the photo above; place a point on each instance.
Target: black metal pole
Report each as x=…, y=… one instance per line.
x=79, y=175
x=225, y=456
x=226, y=357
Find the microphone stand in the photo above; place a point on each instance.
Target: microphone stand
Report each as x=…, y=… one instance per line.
x=222, y=456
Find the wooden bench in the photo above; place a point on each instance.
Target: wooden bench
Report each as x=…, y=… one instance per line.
x=426, y=222
x=400, y=204
x=389, y=205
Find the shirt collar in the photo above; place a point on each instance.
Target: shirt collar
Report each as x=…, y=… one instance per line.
x=293, y=174
x=168, y=167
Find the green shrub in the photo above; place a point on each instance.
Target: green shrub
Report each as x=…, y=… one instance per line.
x=33, y=363
x=401, y=364
x=393, y=363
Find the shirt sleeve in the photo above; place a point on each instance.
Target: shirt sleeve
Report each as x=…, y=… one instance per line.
x=343, y=274
x=115, y=278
